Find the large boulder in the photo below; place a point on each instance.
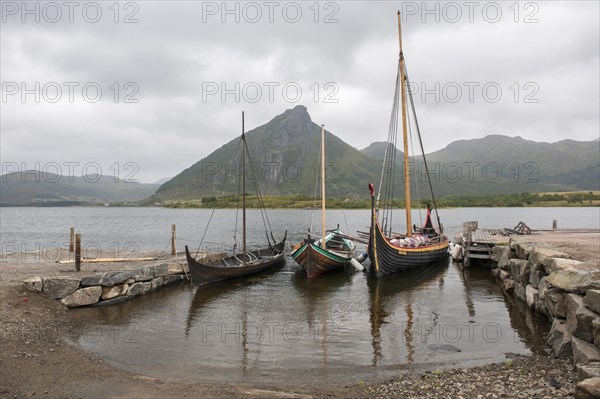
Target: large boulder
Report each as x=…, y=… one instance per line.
x=554, y=301
x=584, y=352
x=140, y=288
x=562, y=264
x=83, y=297
x=574, y=280
x=59, y=287
x=161, y=270
x=145, y=274
x=541, y=301
x=107, y=279
x=588, y=389
x=559, y=338
x=589, y=370
x=592, y=300
x=497, y=252
x=579, y=318
x=524, y=249
x=33, y=284
x=157, y=282
x=174, y=268
x=536, y=274
x=114, y=291
x=542, y=256
x=520, y=270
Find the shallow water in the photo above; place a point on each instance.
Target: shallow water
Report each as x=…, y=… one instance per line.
x=340, y=327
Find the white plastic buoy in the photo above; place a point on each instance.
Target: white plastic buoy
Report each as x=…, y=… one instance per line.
x=361, y=258
x=357, y=265
x=457, y=252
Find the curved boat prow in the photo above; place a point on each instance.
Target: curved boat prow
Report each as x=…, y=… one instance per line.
x=187, y=253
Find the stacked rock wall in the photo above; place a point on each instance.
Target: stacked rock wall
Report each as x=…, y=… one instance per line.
x=107, y=288
x=552, y=283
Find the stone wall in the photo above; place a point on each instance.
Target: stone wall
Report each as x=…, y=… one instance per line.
x=107, y=288
x=554, y=284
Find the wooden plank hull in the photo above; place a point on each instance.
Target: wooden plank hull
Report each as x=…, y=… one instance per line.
x=386, y=258
x=315, y=260
x=230, y=267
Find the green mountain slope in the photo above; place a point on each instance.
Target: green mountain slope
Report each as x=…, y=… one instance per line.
x=285, y=154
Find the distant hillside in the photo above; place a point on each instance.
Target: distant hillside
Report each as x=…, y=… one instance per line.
x=162, y=181
x=35, y=188
x=285, y=153
x=525, y=163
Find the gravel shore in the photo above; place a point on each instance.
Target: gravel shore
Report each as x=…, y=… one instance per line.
x=541, y=377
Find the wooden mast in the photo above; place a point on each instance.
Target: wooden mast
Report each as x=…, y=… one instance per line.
x=243, y=190
x=404, y=136
x=323, y=228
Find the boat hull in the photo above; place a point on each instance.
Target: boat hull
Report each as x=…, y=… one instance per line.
x=386, y=258
x=228, y=268
x=315, y=260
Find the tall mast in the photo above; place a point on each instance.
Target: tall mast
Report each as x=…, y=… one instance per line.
x=404, y=136
x=323, y=230
x=243, y=189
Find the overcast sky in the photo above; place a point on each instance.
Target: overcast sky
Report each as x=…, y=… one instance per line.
x=174, y=76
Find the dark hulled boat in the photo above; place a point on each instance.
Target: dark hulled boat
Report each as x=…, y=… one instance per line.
x=239, y=263
x=232, y=266
x=418, y=247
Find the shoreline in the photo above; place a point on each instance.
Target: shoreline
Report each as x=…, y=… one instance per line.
x=36, y=360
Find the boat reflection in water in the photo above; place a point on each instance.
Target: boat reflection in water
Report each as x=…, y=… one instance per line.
x=394, y=294
x=210, y=294
x=320, y=298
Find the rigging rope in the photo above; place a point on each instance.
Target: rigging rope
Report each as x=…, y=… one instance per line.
x=261, y=202
x=317, y=188
x=412, y=104
x=213, y=210
x=389, y=165
x=412, y=149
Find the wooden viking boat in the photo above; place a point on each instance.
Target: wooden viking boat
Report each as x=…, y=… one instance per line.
x=334, y=250
x=245, y=262
x=389, y=251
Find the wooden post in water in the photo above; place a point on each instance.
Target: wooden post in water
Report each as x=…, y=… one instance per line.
x=78, y=252
x=173, y=246
x=72, y=240
x=554, y=224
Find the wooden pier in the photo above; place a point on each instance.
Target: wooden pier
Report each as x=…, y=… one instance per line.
x=479, y=243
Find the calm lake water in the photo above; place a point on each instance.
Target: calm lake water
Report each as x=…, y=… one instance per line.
x=278, y=326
